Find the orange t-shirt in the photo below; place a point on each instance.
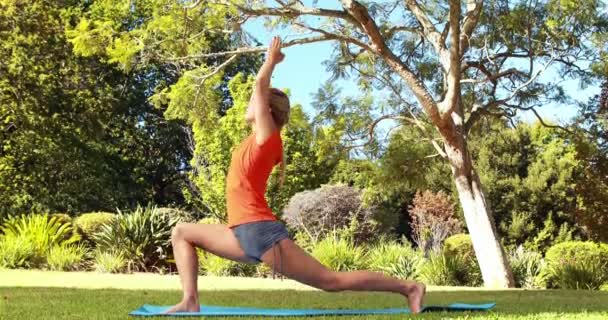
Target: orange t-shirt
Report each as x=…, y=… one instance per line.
x=250, y=168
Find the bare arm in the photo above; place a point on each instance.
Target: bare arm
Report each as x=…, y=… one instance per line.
x=264, y=124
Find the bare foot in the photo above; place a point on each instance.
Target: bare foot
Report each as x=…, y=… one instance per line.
x=185, y=306
x=415, y=295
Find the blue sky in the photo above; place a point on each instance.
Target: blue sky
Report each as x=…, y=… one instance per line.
x=303, y=72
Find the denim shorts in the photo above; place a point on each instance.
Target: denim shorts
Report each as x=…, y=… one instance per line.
x=256, y=238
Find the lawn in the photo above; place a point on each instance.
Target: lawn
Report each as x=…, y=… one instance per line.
x=54, y=302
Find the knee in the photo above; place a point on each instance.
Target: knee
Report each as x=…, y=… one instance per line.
x=331, y=282
x=178, y=232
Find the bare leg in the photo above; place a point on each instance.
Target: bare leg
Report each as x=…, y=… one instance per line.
x=297, y=264
x=216, y=239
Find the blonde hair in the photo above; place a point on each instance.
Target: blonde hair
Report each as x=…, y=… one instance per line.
x=280, y=109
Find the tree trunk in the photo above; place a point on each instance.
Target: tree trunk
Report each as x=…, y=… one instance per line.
x=492, y=260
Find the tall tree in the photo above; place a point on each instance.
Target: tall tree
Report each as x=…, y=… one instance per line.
x=77, y=134
x=455, y=61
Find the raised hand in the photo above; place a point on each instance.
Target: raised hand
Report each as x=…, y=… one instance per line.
x=274, y=54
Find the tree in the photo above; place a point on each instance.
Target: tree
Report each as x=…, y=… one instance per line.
x=77, y=134
x=455, y=61
x=591, y=144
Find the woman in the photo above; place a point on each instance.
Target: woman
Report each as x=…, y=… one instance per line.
x=253, y=234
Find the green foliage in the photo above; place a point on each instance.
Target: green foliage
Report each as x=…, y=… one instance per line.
x=90, y=223
x=143, y=236
x=461, y=245
x=443, y=269
x=16, y=252
x=527, y=267
x=109, y=261
x=62, y=218
x=42, y=232
x=79, y=135
x=530, y=175
x=339, y=254
x=577, y=265
x=395, y=259
x=67, y=257
x=212, y=265
x=175, y=213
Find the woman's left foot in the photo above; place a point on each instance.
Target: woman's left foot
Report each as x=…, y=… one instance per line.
x=185, y=306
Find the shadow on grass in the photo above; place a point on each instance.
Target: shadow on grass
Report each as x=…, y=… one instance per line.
x=62, y=303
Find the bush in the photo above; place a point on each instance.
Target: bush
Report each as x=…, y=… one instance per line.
x=16, y=252
x=67, y=257
x=527, y=268
x=178, y=214
x=443, y=269
x=339, y=254
x=397, y=260
x=210, y=220
x=42, y=232
x=319, y=212
x=143, y=236
x=577, y=265
x=62, y=218
x=460, y=245
x=433, y=219
x=109, y=261
x=212, y=265
x=90, y=223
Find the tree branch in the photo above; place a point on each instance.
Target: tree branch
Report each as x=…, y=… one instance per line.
x=477, y=109
x=335, y=36
x=474, y=8
x=452, y=65
x=496, y=76
x=360, y=13
x=293, y=12
x=246, y=50
x=428, y=28
x=390, y=32
x=540, y=119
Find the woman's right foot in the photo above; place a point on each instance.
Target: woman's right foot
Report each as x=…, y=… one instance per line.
x=415, y=295
x=185, y=306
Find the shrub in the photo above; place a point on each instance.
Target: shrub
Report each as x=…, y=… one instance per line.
x=62, y=218
x=143, y=236
x=90, y=223
x=109, y=261
x=527, y=268
x=339, y=254
x=212, y=265
x=460, y=245
x=433, y=219
x=16, y=252
x=577, y=265
x=42, y=232
x=210, y=220
x=67, y=257
x=443, y=269
x=320, y=211
x=397, y=260
x=178, y=214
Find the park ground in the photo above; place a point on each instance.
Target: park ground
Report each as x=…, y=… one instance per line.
x=87, y=295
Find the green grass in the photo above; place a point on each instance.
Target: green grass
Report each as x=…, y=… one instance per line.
x=62, y=303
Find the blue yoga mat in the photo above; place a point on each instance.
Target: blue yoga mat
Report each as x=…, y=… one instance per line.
x=152, y=310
